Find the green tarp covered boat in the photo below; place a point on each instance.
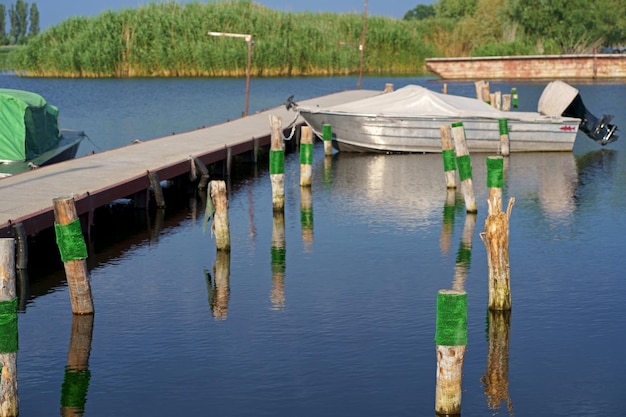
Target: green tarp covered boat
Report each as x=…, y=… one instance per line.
x=30, y=135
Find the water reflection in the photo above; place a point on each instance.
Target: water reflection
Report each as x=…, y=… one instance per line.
x=496, y=377
x=278, y=260
x=306, y=217
x=218, y=285
x=77, y=375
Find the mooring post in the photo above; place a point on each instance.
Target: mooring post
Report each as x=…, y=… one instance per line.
x=217, y=193
x=464, y=164
x=327, y=138
x=451, y=341
x=73, y=251
x=514, y=97
x=478, y=85
x=506, y=102
x=21, y=246
x=156, y=188
x=277, y=163
x=388, y=88
x=306, y=157
x=486, y=93
x=77, y=375
x=496, y=238
x=8, y=330
x=447, y=152
x=503, y=125
x=199, y=166
x=279, y=260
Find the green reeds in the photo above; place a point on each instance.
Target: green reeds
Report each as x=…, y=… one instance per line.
x=170, y=39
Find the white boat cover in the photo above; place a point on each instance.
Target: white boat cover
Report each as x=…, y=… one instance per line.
x=413, y=100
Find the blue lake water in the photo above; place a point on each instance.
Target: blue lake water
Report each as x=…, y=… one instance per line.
x=345, y=324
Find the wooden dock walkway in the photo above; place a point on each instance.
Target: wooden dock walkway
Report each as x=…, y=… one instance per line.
x=98, y=179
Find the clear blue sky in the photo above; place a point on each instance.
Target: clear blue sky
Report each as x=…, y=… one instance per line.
x=53, y=11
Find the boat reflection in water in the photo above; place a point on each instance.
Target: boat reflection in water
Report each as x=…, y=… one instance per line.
x=411, y=188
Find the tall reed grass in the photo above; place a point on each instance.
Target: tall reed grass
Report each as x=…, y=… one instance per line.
x=170, y=39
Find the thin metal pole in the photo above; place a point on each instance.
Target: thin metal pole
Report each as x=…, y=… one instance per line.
x=362, y=46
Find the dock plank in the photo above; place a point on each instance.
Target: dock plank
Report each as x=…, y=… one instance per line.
x=95, y=180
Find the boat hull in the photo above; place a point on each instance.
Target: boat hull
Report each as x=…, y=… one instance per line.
x=402, y=134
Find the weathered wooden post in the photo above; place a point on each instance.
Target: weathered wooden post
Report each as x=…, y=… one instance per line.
x=514, y=97
x=306, y=216
x=496, y=238
x=77, y=374
x=486, y=93
x=496, y=377
x=221, y=227
x=480, y=86
x=197, y=166
x=464, y=164
x=444, y=89
x=9, y=403
x=447, y=152
x=306, y=157
x=506, y=102
x=388, y=88
x=327, y=137
x=156, y=188
x=503, y=125
x=279, y=255
x=73, y=251
x=277, y=163
x=451, y=341
x=21, y=246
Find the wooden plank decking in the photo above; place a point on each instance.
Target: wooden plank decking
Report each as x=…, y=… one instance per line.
x=98, y=179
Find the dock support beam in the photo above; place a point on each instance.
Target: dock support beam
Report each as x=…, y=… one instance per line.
x=156, y=187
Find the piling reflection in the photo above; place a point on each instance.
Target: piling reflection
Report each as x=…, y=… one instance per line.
x=77, y=374
x=464, y=254
x=447, y=224
x=306, y=217
x=496, y=377
x=23, y=288
x=278, y=252
x=218, y=285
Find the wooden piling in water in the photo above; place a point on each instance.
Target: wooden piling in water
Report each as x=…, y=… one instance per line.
x=447, y=152
x=73, y=251
x=496, y=238
x=327, y=137
x=306, y=157
x=9, y=404
x=277, y=163
x=156, y=188
x=506, y=102
x=451, y=341
x=503, y=125
x=218, y=195
x=198, y=165
x=464, y=164
x=514, y=97
x=21, y=246
x=388, y=88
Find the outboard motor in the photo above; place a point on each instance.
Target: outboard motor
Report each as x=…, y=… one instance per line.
x=561, y=99
x=599, y=130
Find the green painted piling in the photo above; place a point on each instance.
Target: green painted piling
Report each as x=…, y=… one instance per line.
x=9, y=406
x=451, y=340
x=306, y=157
x=327, y=137
x=277, y=163
x=503, y=125
x=464, y=166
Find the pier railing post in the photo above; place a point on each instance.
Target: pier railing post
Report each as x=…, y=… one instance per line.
x=73, y=251
x=8, y=330
x=277, y=163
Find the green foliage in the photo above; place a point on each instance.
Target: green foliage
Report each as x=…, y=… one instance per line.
x=33, y=29
x=455, y=9
x=504, y=49
x=420, y=12
x=170, y=39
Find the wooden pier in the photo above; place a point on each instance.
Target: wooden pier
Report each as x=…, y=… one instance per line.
x=96, y=180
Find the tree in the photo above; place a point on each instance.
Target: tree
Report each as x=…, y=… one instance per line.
x=455, y=9
x=420, y=12
x=21, y=11
x=13, y=32
x=34, y=20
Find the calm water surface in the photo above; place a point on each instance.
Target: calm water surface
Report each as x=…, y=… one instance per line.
x=344, y=326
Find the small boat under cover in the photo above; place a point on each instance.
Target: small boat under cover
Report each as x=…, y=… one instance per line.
x=409, y=119
x=30, y=135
